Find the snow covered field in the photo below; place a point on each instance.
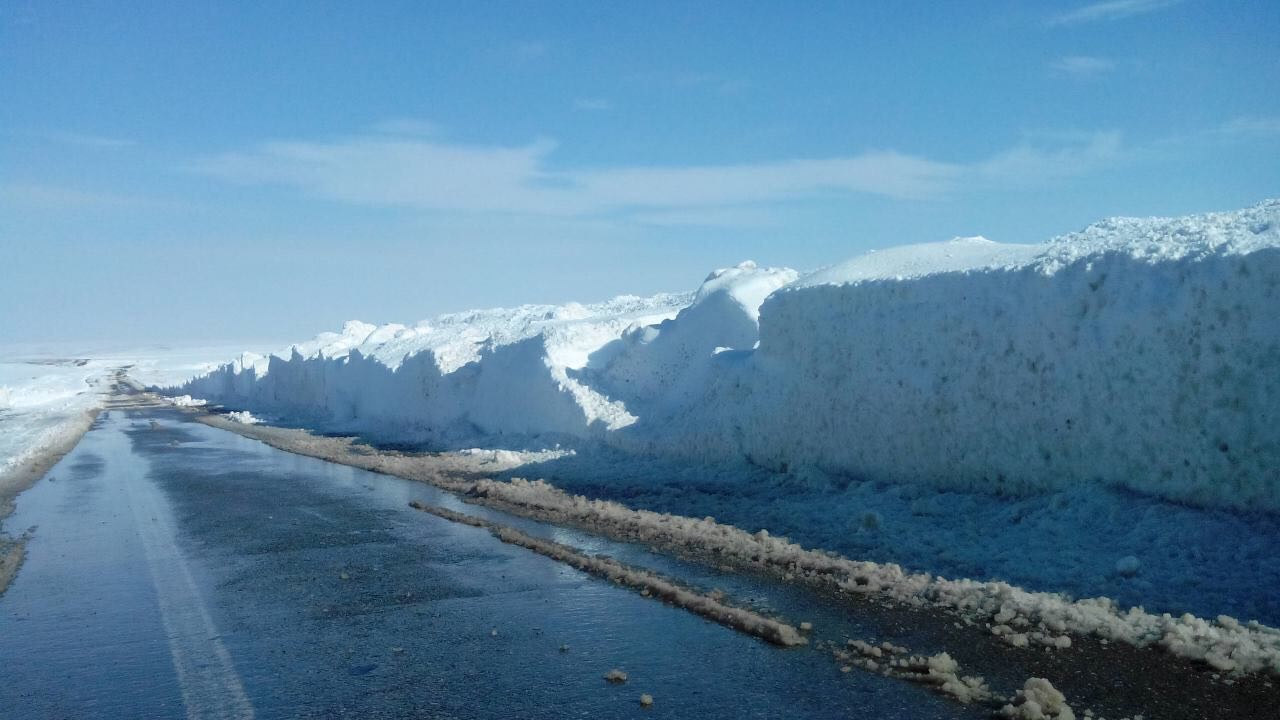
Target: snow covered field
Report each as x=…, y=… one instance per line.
x=1094, y=414
x=40, y=402
x=45, y=392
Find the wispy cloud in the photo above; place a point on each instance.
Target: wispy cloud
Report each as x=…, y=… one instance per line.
x=712, y=217
x=416, y=173
x=1109, y=10
x=419, y=173
x=1081, y=66
x=1246, y=127
x=51, y=197
x=1245, y=130
x=592, y=104
x=410, y=172
x=86, y=140
x=406, y=126
x=1052, y=158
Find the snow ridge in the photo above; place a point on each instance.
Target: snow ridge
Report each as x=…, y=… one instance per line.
x=1139, y=353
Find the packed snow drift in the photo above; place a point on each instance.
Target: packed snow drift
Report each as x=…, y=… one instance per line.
x=1141, y=353
x=1138, y=353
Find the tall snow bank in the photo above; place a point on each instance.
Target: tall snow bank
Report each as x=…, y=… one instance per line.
x=1139, y=352
x=459, y=378
x=1143, y=353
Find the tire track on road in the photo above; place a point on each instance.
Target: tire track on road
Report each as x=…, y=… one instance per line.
x=211, y=687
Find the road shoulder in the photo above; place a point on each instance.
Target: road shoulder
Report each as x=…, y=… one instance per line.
x=23, y=477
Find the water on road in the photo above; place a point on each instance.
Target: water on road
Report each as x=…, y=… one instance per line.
x=176, y=570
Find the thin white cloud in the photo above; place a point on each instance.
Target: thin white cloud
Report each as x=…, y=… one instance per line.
x=592, y=104
x=52, y=197
x=712, y=217
x=1109, y=10
x=1251, y=127
x=401, y=171
x=420, y=173
x=887, y=174
x=1082, y=66
x=86, y=140
x=1029, y=163
x=406, y=126
x=1235, y=131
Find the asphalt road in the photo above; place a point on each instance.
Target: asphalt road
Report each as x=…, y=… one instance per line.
x=176, y=570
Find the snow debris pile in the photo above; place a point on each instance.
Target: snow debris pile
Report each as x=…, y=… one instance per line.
x=939, y=671
x=186, y=401
x=1038, y=700
x=498, y=460
x=1142, y=353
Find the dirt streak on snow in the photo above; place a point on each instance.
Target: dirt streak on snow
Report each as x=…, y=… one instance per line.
x=1017, y=616
x=642, y=581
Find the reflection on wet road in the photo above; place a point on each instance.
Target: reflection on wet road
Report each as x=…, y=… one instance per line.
x=181, y=571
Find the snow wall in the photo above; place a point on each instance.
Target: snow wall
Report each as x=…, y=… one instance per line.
x=1143, y=353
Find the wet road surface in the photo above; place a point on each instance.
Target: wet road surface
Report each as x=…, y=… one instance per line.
x=176, y=570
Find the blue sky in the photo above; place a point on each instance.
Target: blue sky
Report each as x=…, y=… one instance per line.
x=214, y=171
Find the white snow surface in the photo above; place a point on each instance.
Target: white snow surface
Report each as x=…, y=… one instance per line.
x=1143, y=354
x=456, y=378
x=40, y=402
x=959, y=255
x=44, y=390
x=1038, y=700
x=1137, y=353
x=187, y=401
x=173, y=365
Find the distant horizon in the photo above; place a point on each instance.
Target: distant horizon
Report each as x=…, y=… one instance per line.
x=73, y=347
x=184, y=175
